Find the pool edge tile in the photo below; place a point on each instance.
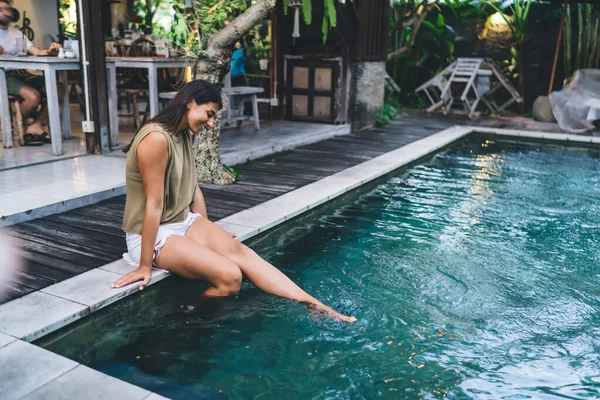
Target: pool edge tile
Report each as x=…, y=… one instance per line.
x=37, y=314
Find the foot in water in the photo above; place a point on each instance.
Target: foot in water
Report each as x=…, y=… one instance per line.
x=314, y=308
x=187, y=309
x=206, y=306
x=330, y=312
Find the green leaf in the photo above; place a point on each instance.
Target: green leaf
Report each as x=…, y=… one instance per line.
x=421, y=60
x=325, y=29
x=330, y=12
x=440, y=21
x=307, y=11
x=429, y=25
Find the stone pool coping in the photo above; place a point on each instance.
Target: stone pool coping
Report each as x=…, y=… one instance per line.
x=28, y=371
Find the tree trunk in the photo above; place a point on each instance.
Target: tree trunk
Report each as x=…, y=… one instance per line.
x=580, y=26
x=567, y=41
x=209, y=168
x=521, y=72
x=149, y=15
x=213, y=68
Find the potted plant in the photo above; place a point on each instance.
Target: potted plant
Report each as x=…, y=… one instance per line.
x=262, y=49
x=71, y=42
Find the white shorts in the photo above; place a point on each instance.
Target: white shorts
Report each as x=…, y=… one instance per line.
x=134, y=241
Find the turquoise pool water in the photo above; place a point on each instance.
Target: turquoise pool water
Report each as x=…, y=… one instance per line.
x=474, y=275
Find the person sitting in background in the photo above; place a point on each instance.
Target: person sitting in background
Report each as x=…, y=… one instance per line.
x=238, y=70
x=20, y=83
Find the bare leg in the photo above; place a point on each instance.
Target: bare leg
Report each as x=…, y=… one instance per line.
x=262, y=274
x=31, y=99
x=36, y=126
x=190, y=260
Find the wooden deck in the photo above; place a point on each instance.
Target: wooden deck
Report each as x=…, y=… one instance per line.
x=61, y=246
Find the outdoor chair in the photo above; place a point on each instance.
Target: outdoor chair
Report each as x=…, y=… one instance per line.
x=434, y=88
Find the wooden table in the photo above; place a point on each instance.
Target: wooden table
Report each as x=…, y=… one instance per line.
x=50, y=65
x=243, y=92
x=152, y=64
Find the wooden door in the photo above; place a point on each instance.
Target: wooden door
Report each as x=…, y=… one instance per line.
x=310, y=91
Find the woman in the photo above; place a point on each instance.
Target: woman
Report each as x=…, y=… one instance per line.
x=165, y=213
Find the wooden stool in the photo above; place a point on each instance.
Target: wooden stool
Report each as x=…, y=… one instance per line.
x=136, y=114
x=15, y=105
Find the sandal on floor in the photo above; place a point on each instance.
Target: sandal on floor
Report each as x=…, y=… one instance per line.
x=32, y=140
x=45, y=137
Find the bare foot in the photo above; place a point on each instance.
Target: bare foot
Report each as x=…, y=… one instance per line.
x=35, y=129
x=323, y=309
x=34, y=132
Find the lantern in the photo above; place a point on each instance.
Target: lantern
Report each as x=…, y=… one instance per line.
x=296, y=4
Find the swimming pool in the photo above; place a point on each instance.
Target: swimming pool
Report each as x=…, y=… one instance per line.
x=471, y=275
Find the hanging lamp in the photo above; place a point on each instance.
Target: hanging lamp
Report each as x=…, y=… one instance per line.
x=296, y=4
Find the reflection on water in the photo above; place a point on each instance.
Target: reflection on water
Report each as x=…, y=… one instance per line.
x=472, y=276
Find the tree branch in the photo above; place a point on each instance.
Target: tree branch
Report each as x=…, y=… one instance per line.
x=401, y=23
x=418, y=23
x=241, y=25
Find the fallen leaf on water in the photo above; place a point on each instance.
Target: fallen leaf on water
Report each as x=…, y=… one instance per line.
x=392, y=380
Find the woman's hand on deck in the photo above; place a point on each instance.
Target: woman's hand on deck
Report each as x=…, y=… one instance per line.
x=142, y=273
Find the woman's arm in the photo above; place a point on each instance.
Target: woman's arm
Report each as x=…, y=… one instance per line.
x=198, y=204
x=152, y=153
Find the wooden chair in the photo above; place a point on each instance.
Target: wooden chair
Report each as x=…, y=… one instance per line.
x=136, y=84
x=17, y=117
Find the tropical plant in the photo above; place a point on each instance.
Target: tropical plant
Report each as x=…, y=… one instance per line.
x=67, y=19
x=442, y=35
x=386, y=114
x=421, y=41
x=261, y=46
x=516, y=19
x=466, y=12
x=587, y=50
x=406, y=19
x=329, y=14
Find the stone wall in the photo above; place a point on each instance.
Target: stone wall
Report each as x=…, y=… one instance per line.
x=367, y=93
x=44, y=19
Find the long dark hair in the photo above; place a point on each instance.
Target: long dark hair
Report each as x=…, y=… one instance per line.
x=170, y=117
